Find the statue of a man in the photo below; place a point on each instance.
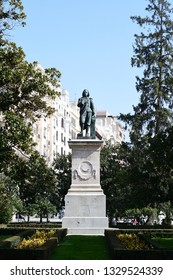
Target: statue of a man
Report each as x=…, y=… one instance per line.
x=87, y=115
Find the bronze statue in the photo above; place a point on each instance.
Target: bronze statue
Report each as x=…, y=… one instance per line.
x=87, y=115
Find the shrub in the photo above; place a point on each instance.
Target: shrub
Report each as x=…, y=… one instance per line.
x=36, y=240
x=132, y=241
x=14, y=240
x=34, y=225
x=6, y=211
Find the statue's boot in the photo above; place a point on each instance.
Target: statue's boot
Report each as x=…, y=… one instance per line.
x=87, y=132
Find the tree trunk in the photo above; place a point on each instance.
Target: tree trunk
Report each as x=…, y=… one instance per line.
x=41, y=218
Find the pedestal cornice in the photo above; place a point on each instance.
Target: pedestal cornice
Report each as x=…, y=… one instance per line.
x=85, y=142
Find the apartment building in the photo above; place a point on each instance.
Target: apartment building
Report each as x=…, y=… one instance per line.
x=109, y=128
x=52, y=133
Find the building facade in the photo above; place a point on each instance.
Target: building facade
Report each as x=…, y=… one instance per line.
x=109, y=128
x=51, y=134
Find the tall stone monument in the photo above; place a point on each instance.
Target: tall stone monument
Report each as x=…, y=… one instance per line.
x=85, y=203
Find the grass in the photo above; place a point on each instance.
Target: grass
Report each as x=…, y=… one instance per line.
x=166, y=242
x=81, y=247
x=2, y=237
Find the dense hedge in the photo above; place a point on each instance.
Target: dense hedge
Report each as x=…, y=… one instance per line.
x=34, y=225
x=12, y=241
x=140, y=227
x=119, y=252
x=9, y=231
x=40, y=253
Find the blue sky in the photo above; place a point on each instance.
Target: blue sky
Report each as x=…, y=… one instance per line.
x=89, y=42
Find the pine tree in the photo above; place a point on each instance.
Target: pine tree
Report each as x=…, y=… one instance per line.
x=149, y=168
x=153, y=53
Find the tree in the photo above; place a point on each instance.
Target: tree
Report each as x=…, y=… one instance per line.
x=27, y=91
x=114, y=178
x=62, y=169
x=25, y=88
x=151, y=123
x=44, y=207
x=153, y=53
x=10, y=200
x=11, y=13
x=25, y=85
x=36, y=182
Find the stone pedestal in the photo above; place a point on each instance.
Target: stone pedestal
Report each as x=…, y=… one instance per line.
x=85, y=203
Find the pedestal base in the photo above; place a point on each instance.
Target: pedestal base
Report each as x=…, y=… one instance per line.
x=85, y=203
x=85, y=225
x=85, y=213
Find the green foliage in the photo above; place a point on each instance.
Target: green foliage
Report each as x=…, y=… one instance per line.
x=44, y=207
x=27, y=91
x=37, y=185
x=9, y=199
x=149, y=158
x=151, y=213
x=167, y=209
x=153, y=53
x=29, y=209
x=11, y=13
x=62, y=170
x=146, y=211
x=114, y=178
x=6, y=210
x=24, y=87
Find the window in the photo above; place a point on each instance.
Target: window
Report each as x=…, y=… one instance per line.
x=44, y=132
x=62, y=122
x=57, y=135
x=62, y=137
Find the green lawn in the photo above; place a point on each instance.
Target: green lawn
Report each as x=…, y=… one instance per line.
x=2, y=237
x=166, y=242
x=81, y=247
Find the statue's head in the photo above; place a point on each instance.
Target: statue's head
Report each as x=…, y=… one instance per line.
x=85, y=93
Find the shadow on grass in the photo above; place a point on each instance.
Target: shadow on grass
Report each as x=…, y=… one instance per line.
x=81, y=247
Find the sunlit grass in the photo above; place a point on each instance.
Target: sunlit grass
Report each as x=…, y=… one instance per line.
x=77, y=247
x=166, y=242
